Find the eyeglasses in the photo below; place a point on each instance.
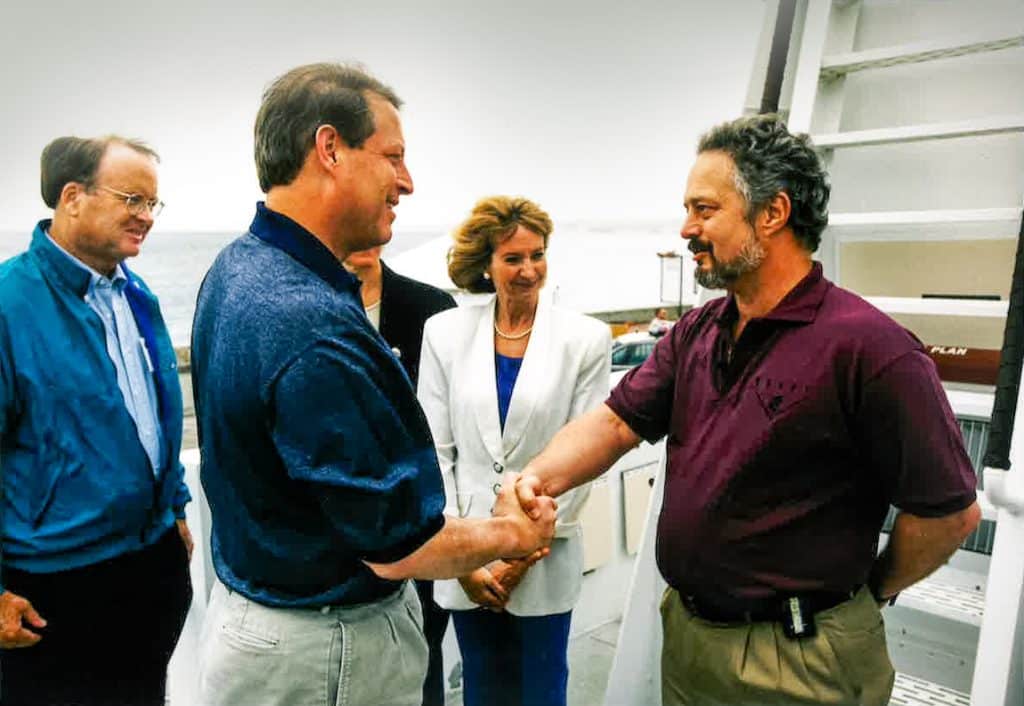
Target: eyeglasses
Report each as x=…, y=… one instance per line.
x=137, y=203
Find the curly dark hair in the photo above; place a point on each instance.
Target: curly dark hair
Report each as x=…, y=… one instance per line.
x=770, y=159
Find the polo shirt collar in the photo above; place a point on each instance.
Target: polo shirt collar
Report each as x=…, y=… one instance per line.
x=283, y=233
x=72, y=272
x=800, y=305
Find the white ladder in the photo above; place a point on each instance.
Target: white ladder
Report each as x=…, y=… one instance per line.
x=943, y=640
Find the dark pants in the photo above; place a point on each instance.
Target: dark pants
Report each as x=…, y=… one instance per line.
x=111, y=629
x=508, y=660
x=435, y=622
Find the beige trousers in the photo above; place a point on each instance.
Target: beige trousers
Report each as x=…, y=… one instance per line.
x=711, y=664
x=367, y=655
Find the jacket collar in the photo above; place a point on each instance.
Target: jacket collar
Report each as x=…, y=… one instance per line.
x=529, y=383
x=283, y=233
x=526, y=392
x=55, y=261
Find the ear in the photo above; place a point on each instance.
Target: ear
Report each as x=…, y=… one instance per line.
x=775, y=215
x=327, y=146
x=70, y=199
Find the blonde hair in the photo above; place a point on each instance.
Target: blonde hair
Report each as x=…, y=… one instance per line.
x=493, y=220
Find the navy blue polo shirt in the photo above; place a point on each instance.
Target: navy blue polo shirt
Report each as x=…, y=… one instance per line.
x=315, y=453
x=785, y=448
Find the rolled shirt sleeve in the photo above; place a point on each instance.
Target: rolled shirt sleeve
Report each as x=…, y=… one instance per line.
x=369, y=455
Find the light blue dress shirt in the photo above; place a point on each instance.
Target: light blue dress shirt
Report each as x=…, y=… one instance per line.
x=127, y=352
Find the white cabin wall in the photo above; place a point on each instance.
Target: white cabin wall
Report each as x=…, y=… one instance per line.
x=933, y=174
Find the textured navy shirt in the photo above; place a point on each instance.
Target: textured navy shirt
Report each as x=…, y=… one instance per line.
x=315, y=453
x=786, y=447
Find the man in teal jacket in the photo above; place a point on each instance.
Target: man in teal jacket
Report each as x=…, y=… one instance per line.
x=95, y=583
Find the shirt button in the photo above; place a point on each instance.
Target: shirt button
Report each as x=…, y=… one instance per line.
x=496, y=488
x=498, y=468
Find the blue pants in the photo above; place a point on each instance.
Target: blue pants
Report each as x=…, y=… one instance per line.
x=435, y=623
x=509, y=660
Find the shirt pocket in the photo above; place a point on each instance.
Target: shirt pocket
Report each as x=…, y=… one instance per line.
x=779, y=398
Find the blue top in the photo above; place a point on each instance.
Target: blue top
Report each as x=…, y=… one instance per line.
x=78, y=485
x=127, y=352
x=315, y=453
x=506, y=371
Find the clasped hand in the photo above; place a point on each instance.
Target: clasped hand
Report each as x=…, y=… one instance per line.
x=491, y=586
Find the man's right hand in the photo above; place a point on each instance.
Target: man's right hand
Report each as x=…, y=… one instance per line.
x=15, y=611
x=533, y=531
x=484, y=590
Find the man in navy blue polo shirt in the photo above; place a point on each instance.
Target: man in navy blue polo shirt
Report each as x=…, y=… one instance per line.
x=317, y=462
x=796, y=413
x=95, y=547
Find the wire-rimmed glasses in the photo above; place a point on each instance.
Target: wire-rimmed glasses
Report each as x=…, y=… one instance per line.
x=136, y=203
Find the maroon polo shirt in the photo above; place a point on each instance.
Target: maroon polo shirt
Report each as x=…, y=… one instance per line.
x=784, y=457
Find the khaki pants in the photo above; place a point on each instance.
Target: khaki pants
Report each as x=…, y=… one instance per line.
x=367, y=655
x=711, y=664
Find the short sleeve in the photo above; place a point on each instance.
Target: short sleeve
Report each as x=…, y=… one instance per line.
x=348, y=424
x=911, y=438
x=643, y=398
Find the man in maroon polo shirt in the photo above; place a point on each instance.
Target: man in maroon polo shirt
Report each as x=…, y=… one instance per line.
x=796, y=413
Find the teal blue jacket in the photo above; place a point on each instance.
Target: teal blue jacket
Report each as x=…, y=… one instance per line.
x=77, y=485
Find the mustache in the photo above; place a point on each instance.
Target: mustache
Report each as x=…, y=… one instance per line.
x=695, y=246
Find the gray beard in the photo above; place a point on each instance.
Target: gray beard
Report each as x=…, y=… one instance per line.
x=724, y=273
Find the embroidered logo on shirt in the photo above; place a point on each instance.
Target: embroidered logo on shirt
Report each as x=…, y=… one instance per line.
x=777, y=396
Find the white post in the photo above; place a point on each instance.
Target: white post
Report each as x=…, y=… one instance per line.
x=999, y=667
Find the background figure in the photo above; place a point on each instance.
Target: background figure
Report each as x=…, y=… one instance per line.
x=317, y=462
x=660, y=324
x=398, y=306
x=496, y=380
x=796, y=413
x=90, y=431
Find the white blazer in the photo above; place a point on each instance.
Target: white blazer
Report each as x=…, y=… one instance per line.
x=564, y=373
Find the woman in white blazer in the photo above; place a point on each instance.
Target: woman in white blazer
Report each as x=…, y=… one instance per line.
x=497, y=380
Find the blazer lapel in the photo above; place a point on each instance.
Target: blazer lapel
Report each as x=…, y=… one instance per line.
x=529, y=384
x=480, y=366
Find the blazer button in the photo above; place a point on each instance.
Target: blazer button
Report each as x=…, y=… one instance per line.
x=498, y=468
x=496, y=488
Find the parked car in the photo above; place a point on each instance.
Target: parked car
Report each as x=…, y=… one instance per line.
x=631, y=349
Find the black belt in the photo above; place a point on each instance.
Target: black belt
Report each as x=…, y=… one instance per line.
x=767, y=610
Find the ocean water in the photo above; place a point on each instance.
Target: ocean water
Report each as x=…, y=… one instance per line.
x=173, y=265
x=592, y=267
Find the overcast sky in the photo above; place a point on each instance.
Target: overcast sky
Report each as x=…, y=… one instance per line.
x=591, y=108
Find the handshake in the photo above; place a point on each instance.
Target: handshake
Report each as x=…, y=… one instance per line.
x=530, y=520
x=530, y=514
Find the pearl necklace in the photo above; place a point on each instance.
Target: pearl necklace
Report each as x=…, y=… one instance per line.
x=509, y=336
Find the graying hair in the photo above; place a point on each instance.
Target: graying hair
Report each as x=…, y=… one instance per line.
x=77, y=159
x=770, y=159
x=303, y=99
